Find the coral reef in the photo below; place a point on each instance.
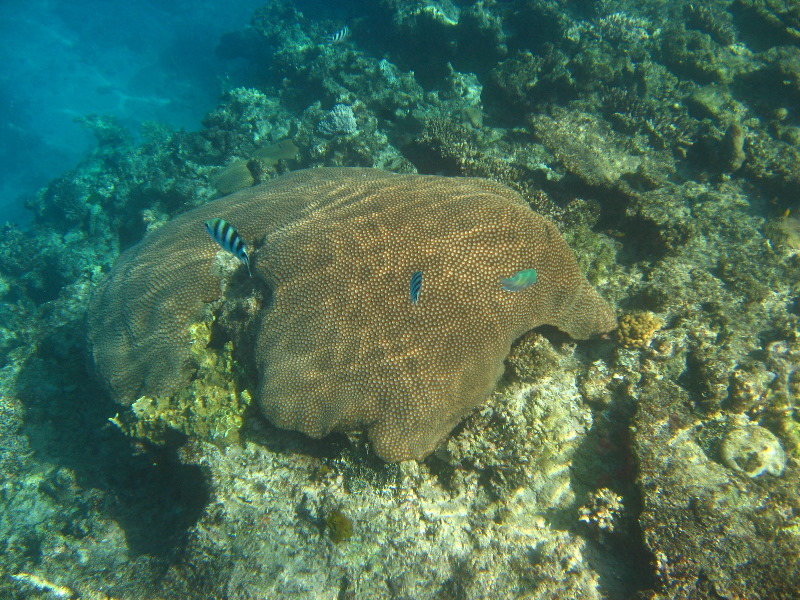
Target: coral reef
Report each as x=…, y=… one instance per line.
x=753, y=450
x=210, y=407
x=339, y=121
x=585, y=147
x=662, y=462
x=603, y=511
x=756, y=555
x=244, y=173
x=418, y=537
x=339, y=347
x=637, y=330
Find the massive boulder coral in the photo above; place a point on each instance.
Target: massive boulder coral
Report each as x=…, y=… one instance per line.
x=342, y=345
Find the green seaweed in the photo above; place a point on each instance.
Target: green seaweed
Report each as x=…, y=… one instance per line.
x=340, y=526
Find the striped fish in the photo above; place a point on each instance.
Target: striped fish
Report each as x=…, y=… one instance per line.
x=519, y=281
x=229, y=239
x=415, y=286
x=337, y=36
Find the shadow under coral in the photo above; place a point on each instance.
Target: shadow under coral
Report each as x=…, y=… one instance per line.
x=152, y=497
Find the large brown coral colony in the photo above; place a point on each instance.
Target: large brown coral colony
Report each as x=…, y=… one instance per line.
x=342, y=346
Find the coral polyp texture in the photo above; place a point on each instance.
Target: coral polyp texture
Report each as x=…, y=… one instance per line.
x=341, y=346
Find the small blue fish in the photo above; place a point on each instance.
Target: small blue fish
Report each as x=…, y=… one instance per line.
x=519, y=281
x=229, y=239
x=337, y=36
x=415, y=286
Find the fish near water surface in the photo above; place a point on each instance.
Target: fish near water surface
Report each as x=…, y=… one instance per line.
x=229, y=240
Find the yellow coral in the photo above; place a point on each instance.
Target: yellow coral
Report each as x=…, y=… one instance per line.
x=637, y=329
x=209, y=408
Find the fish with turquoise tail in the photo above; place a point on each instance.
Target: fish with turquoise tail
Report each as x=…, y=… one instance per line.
x=415, y=286
x=519, y=281
x=229, y=240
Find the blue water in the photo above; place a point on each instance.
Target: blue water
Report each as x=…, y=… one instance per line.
x=139, y=60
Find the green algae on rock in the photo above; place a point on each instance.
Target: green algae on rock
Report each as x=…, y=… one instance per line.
x=339, y=348
x=210, y=407
x=339, y=525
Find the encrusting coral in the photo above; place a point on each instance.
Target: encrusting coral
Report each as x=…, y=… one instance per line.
x=240, y=173
x=342, y=346
x=210, y=407
x=636, y=330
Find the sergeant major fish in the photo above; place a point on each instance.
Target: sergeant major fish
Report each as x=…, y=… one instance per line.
x=338, y=36
x=415, y=286
x=229, y=239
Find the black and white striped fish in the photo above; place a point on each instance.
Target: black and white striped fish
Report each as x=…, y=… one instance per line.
x=415, y=286
x=337, y=36
x=229, y=239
